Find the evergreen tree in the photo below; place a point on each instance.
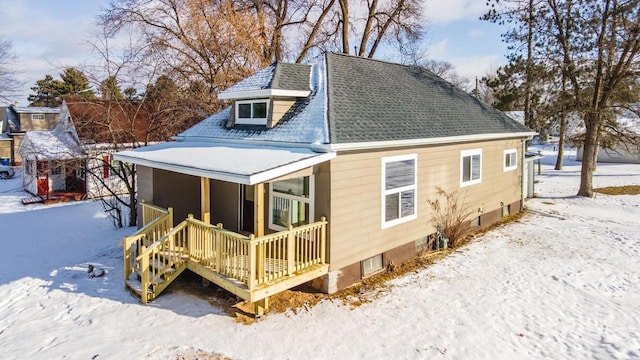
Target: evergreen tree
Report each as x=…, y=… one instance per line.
x=50, y=92
x=110, y=90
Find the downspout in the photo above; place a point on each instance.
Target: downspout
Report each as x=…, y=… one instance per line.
x=522, y=177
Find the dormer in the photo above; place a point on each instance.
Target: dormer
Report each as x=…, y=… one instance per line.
x=263, y=98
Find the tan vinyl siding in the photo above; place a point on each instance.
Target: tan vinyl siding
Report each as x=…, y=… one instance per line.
x=224, y=204
x=49, y=122
x=17, y=139
x=356, y=195
x=182, y=192
x=5, y=149
x=145, y=183
x=278, y=108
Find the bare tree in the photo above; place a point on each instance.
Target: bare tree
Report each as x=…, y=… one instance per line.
x=117, y=123
x=9, y=84
x=600, y=53
x=372, y=22
x=213, y=43
x=447, y=71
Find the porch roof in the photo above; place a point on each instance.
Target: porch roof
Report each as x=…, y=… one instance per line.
x=238, y=163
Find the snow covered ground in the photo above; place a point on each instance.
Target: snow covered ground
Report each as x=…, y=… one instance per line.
x=561, y=283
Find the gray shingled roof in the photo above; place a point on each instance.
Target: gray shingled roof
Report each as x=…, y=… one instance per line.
x=304, y=123
x=371, y=100
x=291, y=77
x=275, y=76
x=368, y=101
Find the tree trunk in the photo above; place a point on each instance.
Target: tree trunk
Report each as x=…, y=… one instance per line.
x=561, y=141
x=344, y=8
x=133, y=201
x=588, y=156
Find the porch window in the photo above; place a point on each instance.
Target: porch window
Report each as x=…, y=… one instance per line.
x=510, y=160
x=291, y=203
x=252, y=112
x=399, y=190
x=470, y=167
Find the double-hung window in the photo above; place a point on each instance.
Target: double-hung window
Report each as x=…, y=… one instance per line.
x=291, y=203
x=252, y=112
x=510, y=160
x=470, y=167
x=399, y=189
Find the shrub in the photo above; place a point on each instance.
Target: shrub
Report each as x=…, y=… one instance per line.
x=451, y=215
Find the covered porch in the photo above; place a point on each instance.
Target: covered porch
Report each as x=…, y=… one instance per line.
x=247, y=222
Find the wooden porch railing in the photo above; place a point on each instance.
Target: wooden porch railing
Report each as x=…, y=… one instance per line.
x=250, y=261
x=151, y=212
x=158, y=222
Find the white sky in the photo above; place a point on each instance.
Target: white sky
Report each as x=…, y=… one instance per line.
x=48, y=36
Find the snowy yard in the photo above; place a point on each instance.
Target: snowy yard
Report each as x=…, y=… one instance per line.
x=561, y=283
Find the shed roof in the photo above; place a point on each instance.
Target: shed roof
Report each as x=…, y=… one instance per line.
x=50, y=144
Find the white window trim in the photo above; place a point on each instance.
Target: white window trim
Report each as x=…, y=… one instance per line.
x=310, y=200
x=514, y=153
x=252, y=120
x=38, y=117
x=368, y=262
x=414, y=187
x=466, y=153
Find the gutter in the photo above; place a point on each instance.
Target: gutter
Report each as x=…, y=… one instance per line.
x=418, y=142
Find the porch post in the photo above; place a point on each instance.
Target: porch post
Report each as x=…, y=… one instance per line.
x=258, y=210
x=205, y=199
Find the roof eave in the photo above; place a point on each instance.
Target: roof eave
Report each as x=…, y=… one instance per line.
x=419, y=142
x=262, y=93
x=251, y=179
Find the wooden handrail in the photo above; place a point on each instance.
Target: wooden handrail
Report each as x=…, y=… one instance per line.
x=251, y=260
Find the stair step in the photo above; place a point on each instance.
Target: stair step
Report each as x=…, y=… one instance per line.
x=136, y=286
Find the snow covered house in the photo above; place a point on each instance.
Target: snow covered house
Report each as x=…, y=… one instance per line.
x=74, y=159
x=15, y=121
x=620, y=149
x=317, y=173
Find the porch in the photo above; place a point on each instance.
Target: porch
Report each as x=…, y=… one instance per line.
x=251, y=267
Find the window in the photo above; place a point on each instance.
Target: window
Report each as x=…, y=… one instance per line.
x=510, y=160
x=29, y=167
x=56, y=170
x=399, y=192
x=37, y=116
x=291, y=203
x=372, y=265
x=470, y=167
x=252, y=112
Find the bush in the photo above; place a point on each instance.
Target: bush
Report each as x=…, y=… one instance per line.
x=451, y=215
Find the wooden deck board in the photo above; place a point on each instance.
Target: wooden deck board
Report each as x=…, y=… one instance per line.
x=261, y=291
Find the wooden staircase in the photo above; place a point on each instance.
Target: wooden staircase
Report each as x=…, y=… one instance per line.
x=160, y=275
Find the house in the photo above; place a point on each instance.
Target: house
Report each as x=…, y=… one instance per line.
x=620, y=149
x=74, y=159
x=15, y=121
x=317, y=173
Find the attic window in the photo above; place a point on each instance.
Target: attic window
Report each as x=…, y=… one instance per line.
x=37, y=116
x=252, y=112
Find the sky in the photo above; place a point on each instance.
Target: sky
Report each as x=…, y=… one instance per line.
x=561, y=283
x=48, y=36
